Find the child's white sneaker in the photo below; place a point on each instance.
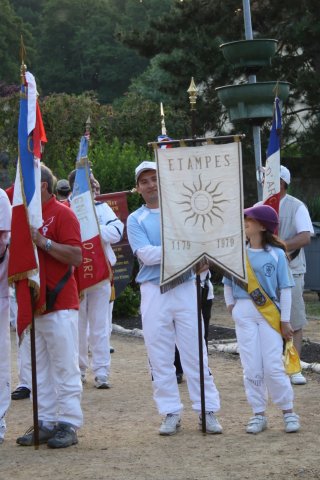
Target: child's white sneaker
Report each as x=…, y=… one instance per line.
x=298, y=379
x=257, y=424
x=291, y=422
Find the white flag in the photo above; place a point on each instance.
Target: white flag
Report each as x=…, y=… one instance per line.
x=201, y=202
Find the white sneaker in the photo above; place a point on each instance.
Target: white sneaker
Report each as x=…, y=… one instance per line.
x=298, y=379
x=291, y=422
x=170, y=424
x=212, y=424
x=101, y=382
x=257, y=424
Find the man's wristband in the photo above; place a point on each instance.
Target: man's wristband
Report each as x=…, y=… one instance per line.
x=48, y=245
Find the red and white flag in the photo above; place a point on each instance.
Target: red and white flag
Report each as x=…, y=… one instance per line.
x=95, y=266
x=23, y=267
x=271, y=186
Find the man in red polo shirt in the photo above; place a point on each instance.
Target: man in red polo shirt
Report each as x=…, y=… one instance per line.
x=56, y=330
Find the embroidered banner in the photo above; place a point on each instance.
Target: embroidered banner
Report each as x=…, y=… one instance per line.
x=201, y=203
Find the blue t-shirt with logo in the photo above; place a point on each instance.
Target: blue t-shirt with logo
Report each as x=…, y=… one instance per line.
x=271, y=269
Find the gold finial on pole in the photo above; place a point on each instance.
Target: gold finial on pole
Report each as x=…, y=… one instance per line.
x=23, y=67
x=88, y=128
x=88, y=124
x=163, y=125
x=193, y=91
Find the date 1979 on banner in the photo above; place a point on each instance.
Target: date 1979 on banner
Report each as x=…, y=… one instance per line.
x=225, y=242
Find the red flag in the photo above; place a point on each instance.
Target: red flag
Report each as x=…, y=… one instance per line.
x=23, y=267
x=95, y=266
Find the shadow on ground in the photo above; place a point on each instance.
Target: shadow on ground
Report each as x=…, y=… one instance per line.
x=310, y=350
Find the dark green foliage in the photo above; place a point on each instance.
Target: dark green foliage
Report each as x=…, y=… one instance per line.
x=80, y=46
x=64, y=117
x=114, y=164
x=184, y=42
x=313, y=204
x=79, y=50
x=128, y=303
x=138, y=119
x=77, y=44
x=11, y=29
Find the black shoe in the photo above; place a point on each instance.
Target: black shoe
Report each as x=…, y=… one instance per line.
x=20, y=393
x=65, y=436
x=111, y=349
x=27, y=440
x=179, y=377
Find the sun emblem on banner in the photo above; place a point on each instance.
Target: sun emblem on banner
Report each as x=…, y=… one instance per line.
x=203, y=203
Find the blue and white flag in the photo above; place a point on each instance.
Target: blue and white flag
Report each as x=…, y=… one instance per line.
x=95, y=266
x=27, y=210
x=271, y=186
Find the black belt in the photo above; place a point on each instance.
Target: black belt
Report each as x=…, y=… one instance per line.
x=294, y=254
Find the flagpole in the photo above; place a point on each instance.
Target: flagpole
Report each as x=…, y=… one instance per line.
x=192, y=91
x=253, y=79
x=34, y=375
x=33, y=354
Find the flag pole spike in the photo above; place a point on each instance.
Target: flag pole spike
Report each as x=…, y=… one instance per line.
x=88, y=128
x=23, y=67
x=193, y=93
x=163, y=125
x=88, y=124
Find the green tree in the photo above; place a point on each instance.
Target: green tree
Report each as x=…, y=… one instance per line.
x=137, y=119
x=30, y=12
x=132, y=121
x=11, y=29
x=64, y=118
x=79, y=51
x=185, y=41
x=114, y=164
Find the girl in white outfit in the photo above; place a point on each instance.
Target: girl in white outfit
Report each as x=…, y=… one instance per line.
x=260, y=345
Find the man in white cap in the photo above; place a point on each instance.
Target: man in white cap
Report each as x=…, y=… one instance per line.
x=167, y=318
x=94, y=313
x=295, y=229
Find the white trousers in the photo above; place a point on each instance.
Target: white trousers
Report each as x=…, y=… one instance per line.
x=24, y=362
x=58, y=375
x=5, y=372
x=95, y=311
x=168, y=319
x=260, y=348
x=111, y=304
x=13, y=307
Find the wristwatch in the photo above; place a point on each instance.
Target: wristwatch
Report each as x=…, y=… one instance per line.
x=48, y=245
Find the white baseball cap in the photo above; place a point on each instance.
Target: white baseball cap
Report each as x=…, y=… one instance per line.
x=285, y=174
x=146, y=165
